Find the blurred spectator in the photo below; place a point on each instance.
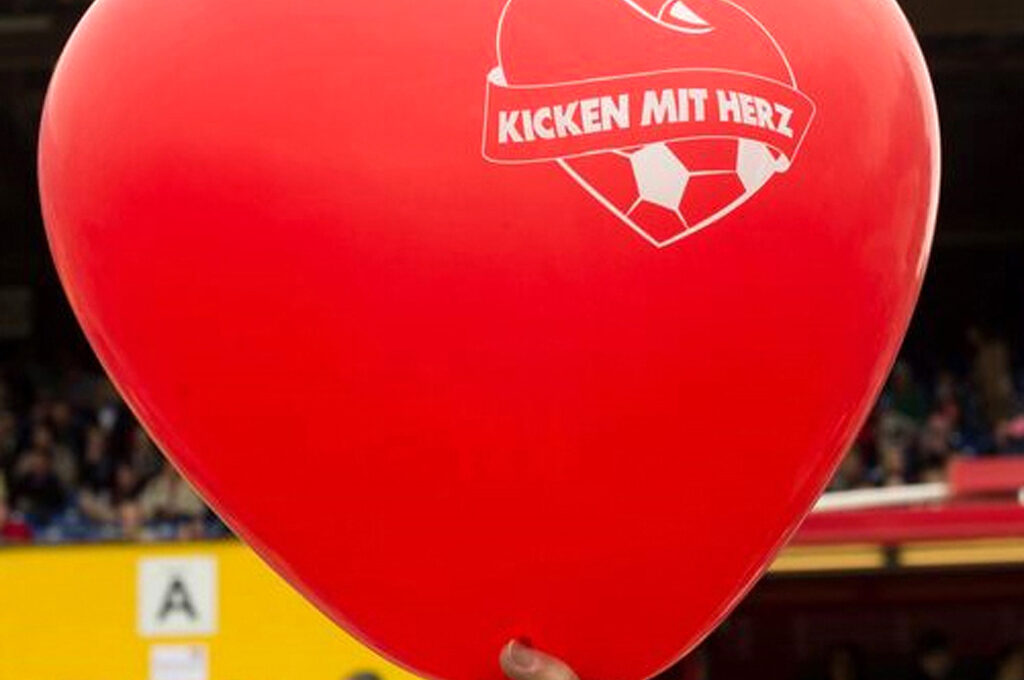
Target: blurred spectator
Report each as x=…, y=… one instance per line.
x=1011, y=664
x=894, y=429
x=103, y=504
x=851, y=473
x=170, y=500
x=949, y=396
x=111, y=414
x=11, y=528
x=906, y=396
x=127, y=485
x=64, y=462
x=1010, y=435
x=143, y=455
x=843, y=663
x=894, y=434
x=934, y=448
x=8, y=439
x=64, y=431
x=130, y=522
x=363, y=675
x=992, y=376
x=934, y=659
x=97, y=470
x=36, y=490
x=892, y=464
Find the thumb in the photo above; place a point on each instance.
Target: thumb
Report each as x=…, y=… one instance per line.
x=522, y=662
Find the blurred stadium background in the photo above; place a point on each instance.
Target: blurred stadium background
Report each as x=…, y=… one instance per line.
x=912, y=567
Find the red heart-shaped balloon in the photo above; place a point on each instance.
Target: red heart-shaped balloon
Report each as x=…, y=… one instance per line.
x=460, y=394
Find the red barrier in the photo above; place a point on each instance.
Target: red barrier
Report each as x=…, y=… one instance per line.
x=897, y=525
x=985, y=476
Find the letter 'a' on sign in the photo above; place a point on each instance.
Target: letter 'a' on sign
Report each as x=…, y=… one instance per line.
x=177, y=596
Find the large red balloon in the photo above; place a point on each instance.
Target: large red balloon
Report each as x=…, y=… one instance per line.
x=540, y=318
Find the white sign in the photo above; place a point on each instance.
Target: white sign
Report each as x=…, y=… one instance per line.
x=177, y=596
x=179, y=662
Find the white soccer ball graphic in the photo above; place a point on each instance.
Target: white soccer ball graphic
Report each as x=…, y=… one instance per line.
x=677, y=188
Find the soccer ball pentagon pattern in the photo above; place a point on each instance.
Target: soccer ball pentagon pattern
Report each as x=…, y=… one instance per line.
x=677, y=188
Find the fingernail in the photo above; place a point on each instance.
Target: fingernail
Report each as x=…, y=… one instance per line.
x=522, y=657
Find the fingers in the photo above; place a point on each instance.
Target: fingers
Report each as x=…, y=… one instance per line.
x=522, y=662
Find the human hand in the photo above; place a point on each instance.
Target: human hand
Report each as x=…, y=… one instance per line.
x=521, y=662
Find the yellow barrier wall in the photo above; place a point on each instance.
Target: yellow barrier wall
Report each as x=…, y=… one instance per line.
x=72, y=613
x=96, y=612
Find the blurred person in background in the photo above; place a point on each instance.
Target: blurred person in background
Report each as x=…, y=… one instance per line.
x=843, y=663
x=1009, y=435
x=36, y=490
x=1010, y=665
x=949, y=395
x=934, y=448
x=992, y=376
x=12, y=530
x=892, y=464
x=904, y=395
x=4, y=511
x=8, y=444
x=934, y=659
x=130, y=524
x=142, y=454
x=111, y=413
x=64, y=461
x=852, y=472
x=362, y=675
x=97, y=469
x=168, y=500
x=127, y=485
x=103, y=503
x=895, y=433
x=65, y=430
